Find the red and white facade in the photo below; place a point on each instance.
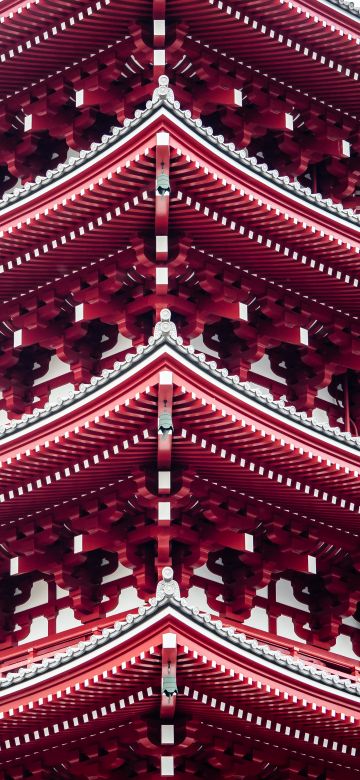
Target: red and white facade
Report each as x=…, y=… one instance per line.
x=179, y=390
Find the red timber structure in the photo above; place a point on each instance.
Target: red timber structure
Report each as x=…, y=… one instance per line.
x=179, y=390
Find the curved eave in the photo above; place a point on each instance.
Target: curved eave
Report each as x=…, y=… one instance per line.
x=116, y=385
x=270, y=42
x=46, y=36
x=139, y=133
x=328, y=232
x=216, y=668
x=322, y=25
x=54, y=38
x=101, y=651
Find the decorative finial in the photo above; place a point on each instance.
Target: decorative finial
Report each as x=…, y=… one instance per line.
x=167, y=587
x=163, y=91
x=165, y=327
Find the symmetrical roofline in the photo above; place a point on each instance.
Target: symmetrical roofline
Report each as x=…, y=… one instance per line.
x=168, y=604
x=166, y=341
x=164, y=492
x=163, y=101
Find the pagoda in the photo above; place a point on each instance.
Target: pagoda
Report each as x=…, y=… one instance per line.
x=179, y=390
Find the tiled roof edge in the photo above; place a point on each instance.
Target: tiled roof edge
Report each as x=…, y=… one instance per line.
x=165, y=331
x=164, y=95
x=348, y=6
x=168, y=593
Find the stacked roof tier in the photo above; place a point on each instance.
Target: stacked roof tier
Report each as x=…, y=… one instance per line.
x=166, y=460
x=255, y=265
x=189, y=698
x=179, y=390
x=280, y=80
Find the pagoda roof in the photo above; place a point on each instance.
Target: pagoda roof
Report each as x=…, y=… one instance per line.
x=313, y=45
x=284, y=39
x=48, y=448
x=225, y=681
x=161, y=471
x=40, y=211
x=166, y=603
x=39, y=37
x=167, y=342
x=246, y=472
x=66, y=172
x=292, y=129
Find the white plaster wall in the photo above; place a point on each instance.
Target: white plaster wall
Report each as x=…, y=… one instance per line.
x=285, y=628
x=285, y=595
x=39, y=595
x=197, y=598
x=38, y=630
x=324, y=394
x=199, y=345
x=121, y=571
x=284, y=623
x=61, y=592
x=58, y=393
x=263, y=368
x=263, y=592
x=128, y=600
x=343, y=646
x=258, y=619
x=122, y=343
x=66, y=620
x=56, y=368
x=350, y=621
x=203, y=571
x=4, y=417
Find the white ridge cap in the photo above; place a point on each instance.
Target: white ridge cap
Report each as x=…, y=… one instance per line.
x=165, y=331
x=164, y=95
x=168, y=595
